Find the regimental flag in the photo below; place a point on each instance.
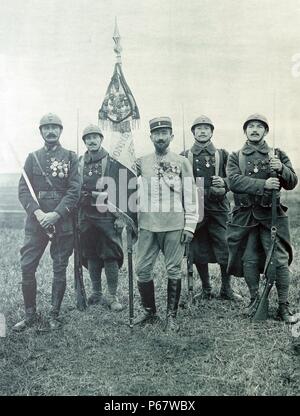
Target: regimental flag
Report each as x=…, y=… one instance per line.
x=119, y=113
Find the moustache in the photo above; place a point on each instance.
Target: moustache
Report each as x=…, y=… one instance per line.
x=254, y=134
x=51, y=135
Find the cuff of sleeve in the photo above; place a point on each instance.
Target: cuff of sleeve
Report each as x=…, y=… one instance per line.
x=62, y=211
x=284, y=173
x=260, y=185
x=31, y=208
x=190, y=227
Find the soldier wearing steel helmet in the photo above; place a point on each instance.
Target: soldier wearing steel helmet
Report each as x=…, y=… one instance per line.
x=53, y=174
x=209, y=242
x=101, y=231
x=249, y=175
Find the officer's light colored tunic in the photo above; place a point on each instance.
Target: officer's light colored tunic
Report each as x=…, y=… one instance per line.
x=168, y=204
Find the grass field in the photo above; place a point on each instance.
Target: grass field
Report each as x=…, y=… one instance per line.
x=217, y=352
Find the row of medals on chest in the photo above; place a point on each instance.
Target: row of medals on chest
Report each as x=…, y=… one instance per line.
x=258, y=164
x=59, y=168
x=94, y=169
x=210, y=161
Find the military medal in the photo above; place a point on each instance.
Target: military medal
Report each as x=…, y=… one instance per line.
x=54, y=173
x=207, y=164
x=90, y=173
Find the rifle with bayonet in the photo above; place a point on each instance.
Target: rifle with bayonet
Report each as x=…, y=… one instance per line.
x=102, y=203
x=188, y=254
x=261, y=306
x=80, y=294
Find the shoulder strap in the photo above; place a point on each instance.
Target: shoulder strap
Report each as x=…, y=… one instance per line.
x=105, y=165
x=242, y=162
x=41, y=169
x=80, y=166
x=190, y=157
x=217, y=162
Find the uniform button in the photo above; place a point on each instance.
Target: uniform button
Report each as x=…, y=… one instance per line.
x=197, y=169
x=197, y=160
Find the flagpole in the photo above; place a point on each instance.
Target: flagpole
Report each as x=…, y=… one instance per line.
x=77, y=142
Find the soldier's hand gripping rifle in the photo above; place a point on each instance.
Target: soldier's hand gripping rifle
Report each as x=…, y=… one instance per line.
x=262, y=304
x=131, y=229
x=80, y=295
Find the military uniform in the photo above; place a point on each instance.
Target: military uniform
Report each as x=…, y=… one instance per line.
x=249, y=228
x=209, y=242
x=167, y=207
x=53, y=173
x=101, y=242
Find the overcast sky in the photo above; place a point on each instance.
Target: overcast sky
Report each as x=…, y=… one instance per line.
x=223, y=58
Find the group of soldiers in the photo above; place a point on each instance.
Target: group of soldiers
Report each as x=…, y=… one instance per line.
x=182, y=203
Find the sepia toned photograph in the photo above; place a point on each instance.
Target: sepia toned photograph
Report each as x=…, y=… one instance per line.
x=149, y=200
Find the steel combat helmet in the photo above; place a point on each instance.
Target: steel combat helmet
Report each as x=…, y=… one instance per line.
x=256, y=117
x=202, y=120
x=91, y=128
x=50, y=118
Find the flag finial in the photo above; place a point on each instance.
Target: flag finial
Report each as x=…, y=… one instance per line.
x=117, y=39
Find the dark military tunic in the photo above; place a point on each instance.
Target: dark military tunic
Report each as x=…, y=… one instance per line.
x=209, y=242
x=61, y=195
x=99, y=238
x=247, y=171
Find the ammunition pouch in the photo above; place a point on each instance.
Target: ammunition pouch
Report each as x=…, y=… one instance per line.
x=265, y=200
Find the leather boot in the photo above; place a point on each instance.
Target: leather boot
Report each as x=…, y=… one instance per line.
x=174, y=290
x=226, y=291
x=29, y=296
x=95, y=275
x=112, y=277
x=284, y=314
x=204, y=276
x=58, y=291
x=149, y=316
x=251, y=275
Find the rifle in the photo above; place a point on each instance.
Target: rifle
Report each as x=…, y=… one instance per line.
x=130, y=228
x=262, y=307
x=189, y=259
x=269, y=273
x=190, y=271
x=80, y=295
